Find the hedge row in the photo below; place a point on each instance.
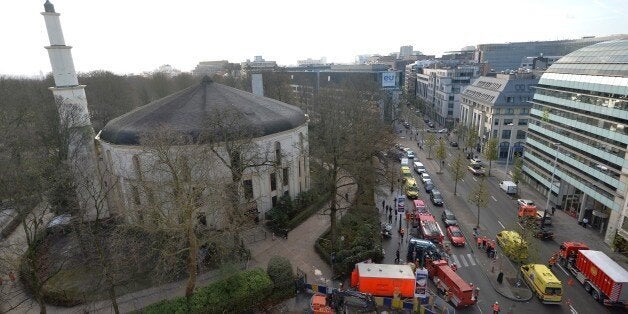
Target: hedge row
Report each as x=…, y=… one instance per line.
x=239, y=293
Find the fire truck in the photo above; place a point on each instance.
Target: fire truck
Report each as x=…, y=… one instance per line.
x=429, y=228
x=602, y=277
x=457, y=291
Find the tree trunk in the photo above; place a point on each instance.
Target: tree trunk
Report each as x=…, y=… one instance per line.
x=192, y=257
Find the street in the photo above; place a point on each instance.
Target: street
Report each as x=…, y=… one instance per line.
x=500, y=213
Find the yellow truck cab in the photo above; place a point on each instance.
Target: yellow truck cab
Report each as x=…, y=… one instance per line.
x=513, y=245
x=406, y=173
x=543, y=282
x=412, y=190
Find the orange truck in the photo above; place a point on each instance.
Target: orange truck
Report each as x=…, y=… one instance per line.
x=533, y=212
x=384, y=280
x=602, y=277
x=459, y=292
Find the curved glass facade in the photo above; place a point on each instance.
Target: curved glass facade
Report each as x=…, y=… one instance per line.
x=580, y=115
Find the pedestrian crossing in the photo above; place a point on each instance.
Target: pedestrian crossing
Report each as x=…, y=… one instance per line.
x=463, y=260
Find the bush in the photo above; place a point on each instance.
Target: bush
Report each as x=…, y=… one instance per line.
x=239, y=293
x=280, y=272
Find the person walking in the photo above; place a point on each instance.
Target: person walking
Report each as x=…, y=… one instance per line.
x=383, y=204
x=496, y=308
x=390, y=218
x=397, y=257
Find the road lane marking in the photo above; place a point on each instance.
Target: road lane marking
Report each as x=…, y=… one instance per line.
x=464, y=262
x=449, y=165
x=493, y=197
x=474, y=179
x=462, y=180
x=573, y=310
x=455, y=259
x=478, y=306
x=471, y=259
x=564, y=271
x=500, y=223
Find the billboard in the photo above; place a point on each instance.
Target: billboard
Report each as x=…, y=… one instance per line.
x=389, y=79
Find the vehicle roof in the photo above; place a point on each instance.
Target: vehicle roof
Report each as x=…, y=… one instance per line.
x=419, y=202
x=607, y=265
x=544, y=272
x=385, y=271
x=411, y=180
x=418, y=164
x=405, y=168
x=453, y=228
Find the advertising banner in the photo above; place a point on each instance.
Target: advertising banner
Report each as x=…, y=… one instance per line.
x=389, y=79
x=420, y=289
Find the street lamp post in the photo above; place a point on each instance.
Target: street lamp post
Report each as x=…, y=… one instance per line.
x=551, y=183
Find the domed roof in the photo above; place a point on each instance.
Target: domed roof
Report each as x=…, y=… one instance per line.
x=609, y=58
x=192, y=110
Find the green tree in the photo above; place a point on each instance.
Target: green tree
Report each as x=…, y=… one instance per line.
x=441, y=154
x=430, y=142
x=458, y=170
x=517, y=169
x=479, y=197
x=490, y=152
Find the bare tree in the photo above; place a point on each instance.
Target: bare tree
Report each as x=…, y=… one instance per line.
x=517, y=169
x=346, y=134
x=430, y=142
x=479, y=197
x=458, y=170
x=472, y=139
x=490, y=152
x=186, y=198
x=441, y=154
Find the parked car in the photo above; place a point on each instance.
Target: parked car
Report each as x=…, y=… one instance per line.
x=430, y=124
x=442, y=131
x=410, y=154
x=448, y=218
x=425, y=176
x=455, y=236
x=426, y=120
x=453, y=144
x=419, y=167
x=436, y=197
x=477, y=170
x=429, y=185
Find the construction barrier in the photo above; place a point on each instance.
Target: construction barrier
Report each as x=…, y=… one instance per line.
x=430, y=305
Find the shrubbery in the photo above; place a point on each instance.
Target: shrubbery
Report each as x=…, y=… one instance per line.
x=280, y=272
x=288, y=214
x=239, y=293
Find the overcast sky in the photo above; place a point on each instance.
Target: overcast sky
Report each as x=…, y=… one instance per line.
x=132, y=36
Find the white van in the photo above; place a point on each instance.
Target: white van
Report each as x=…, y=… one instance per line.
x=419, y=167
x=508, y=186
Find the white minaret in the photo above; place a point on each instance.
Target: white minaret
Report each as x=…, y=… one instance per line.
x=74, y=118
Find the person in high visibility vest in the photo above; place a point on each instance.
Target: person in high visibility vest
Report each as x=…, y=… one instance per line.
x=496, y=308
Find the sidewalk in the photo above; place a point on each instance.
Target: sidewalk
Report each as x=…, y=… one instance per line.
x=298, y=248
x=565, y=227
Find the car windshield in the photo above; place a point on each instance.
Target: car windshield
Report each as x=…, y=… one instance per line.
x=450, y=216
x=435, y=194
x=456, y=233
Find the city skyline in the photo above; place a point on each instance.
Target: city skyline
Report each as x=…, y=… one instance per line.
x=110, y=36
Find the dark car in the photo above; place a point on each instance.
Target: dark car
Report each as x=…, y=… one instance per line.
x=436, y=197
x=426, y=120
x=449, y=219
x=429, y=186
x=453, y=144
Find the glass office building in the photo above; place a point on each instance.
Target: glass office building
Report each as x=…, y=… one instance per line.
x=578, y=134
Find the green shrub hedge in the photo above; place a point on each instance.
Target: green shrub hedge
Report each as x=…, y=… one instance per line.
x=239, y=293
x=280, y=272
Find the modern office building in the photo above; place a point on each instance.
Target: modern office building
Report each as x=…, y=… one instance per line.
x=439, y=89
x=210, y=67
x=258, y=65
x=507, y=56
x=578, y=136
x=498, y=107
x=405, y=51
x=540, y=62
